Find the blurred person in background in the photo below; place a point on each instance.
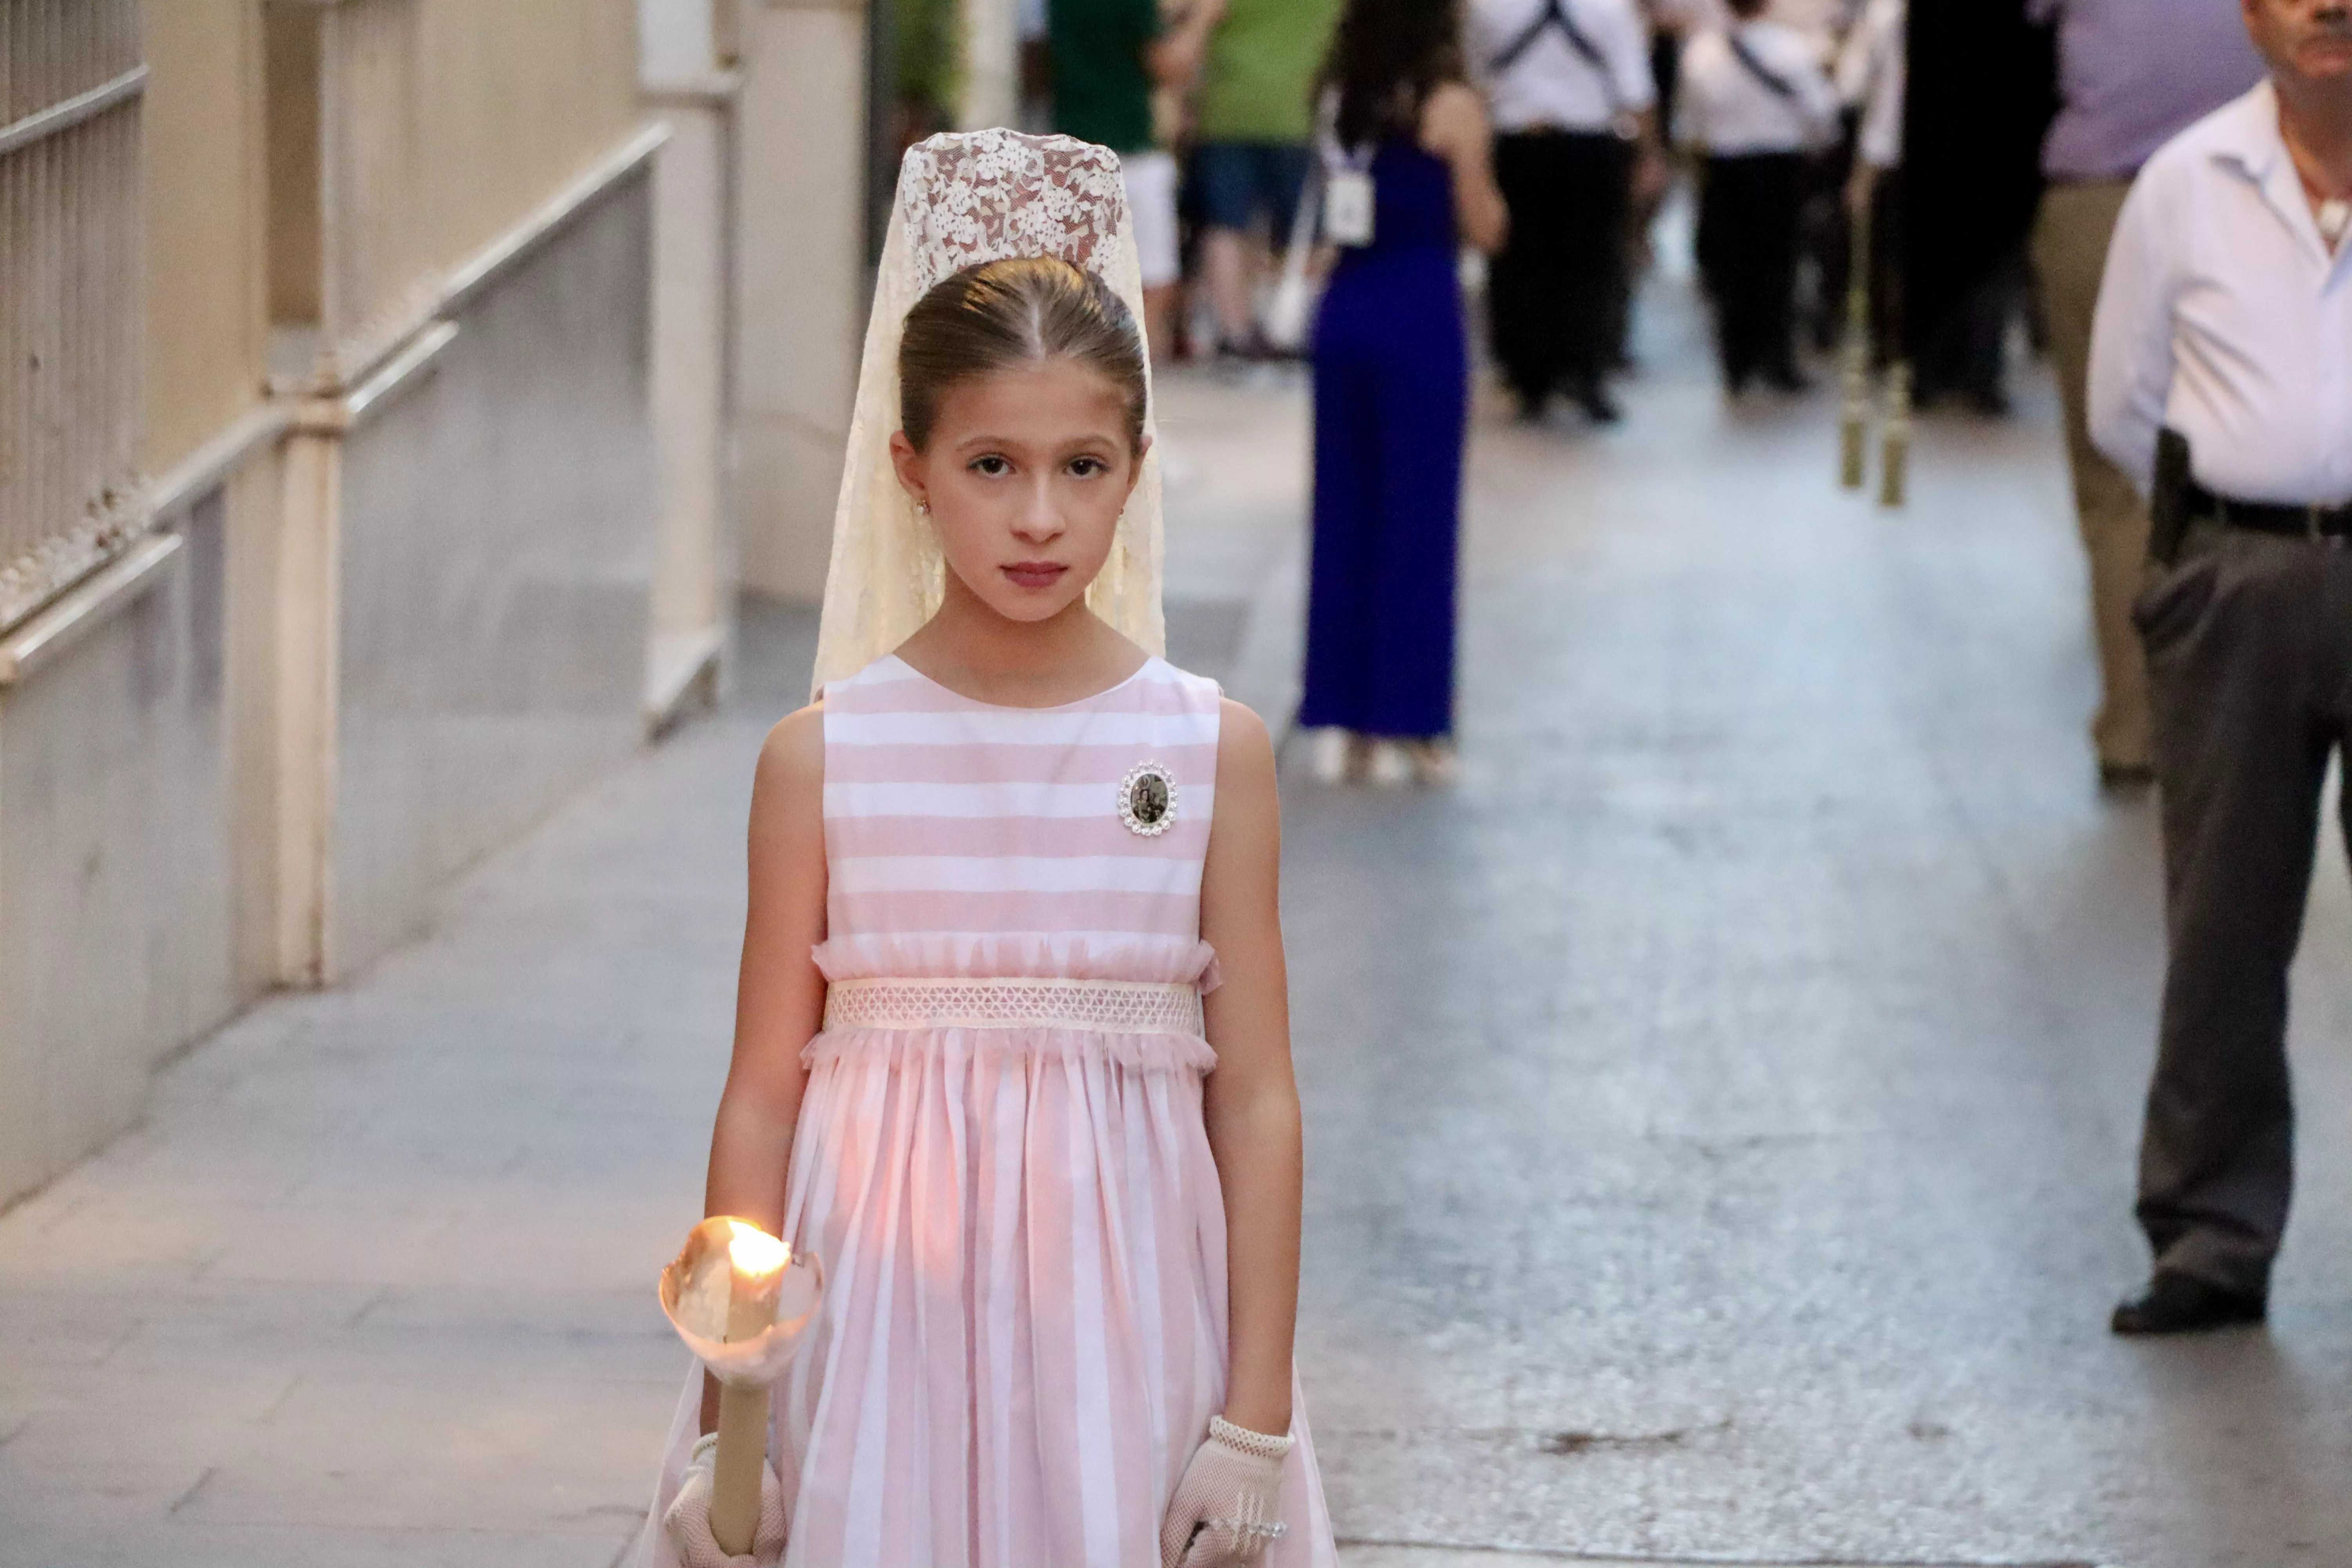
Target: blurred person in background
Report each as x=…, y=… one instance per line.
x=1822, y=228
x=1108, y=57
x=2131, y=75
x=1250, y=163
x=2217, y=383
x=1756, y=106
x=1824, y=232
x=1409, y=179
x=1568, y=85
x=1670, y=22
x=1958, y=206
x=1872, y=75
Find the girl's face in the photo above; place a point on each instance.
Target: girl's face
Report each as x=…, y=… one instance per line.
x=1026, y=475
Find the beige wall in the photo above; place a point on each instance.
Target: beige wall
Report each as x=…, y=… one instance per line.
x=520, y=95
x=440, y=126
x=333, y=683
x=205, y=321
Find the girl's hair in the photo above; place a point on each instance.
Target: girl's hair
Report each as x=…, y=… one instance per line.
x=1386, y=57
x=1021, y=310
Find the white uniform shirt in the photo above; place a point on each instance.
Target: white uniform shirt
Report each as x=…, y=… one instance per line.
x=1726, y=108
x=1552, y=84
x=1871, y=76
x=1823, y=22
x=2223, y=316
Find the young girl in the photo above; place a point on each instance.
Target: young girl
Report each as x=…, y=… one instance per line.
x=1011, y=1055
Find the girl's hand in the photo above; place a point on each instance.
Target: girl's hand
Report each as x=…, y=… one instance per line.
x=1228, y=1508
x=688, y=1519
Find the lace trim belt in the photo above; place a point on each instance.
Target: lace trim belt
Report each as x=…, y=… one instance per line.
x=1122, y=1006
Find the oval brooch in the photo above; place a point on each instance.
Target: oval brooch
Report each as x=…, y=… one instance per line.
x=1146, y=800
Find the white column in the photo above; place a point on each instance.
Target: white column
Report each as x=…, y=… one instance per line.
x=688, y=84
x=992, y=64
x=800, y=280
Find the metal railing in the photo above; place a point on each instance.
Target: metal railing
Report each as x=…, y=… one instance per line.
x=71, y=291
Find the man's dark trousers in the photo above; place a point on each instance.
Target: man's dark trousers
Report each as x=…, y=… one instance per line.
x=2249, y=639
x=1552, y=291
x=1747, y=212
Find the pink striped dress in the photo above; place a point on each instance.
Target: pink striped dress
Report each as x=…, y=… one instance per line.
x=1001, y=1157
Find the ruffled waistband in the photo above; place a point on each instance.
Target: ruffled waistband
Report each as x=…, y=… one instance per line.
x=932, y=1047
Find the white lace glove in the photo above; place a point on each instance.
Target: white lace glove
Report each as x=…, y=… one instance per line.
x=688, y=1519
x=1228, y=1508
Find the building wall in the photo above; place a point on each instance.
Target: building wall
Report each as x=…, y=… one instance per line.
x=115, y=870
x=497, y=523
x=519, y=96
x=462, y=572
x=119, y=847
x=400, y=612
x=393, y=525
x=207, y=327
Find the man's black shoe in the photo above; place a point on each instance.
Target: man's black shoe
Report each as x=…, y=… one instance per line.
x=2183, y=1304
x=1598, y=405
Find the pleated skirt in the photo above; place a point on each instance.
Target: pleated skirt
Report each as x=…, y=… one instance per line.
x=1023, y=1334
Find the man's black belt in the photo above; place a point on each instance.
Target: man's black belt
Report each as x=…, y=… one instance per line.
x=2177, y=500
x=2328, y=522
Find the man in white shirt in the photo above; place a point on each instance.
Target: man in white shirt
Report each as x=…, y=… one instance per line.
x=1567, y=84
x=1755, y=104
x=1870, y=82
x=2221, y=383
x=1871, y=77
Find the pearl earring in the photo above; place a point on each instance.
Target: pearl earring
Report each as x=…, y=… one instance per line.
x=923, y=507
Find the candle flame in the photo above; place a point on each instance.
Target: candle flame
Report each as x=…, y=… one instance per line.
x=754, y=1253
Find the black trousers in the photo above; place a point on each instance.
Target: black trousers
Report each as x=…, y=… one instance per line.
x=1825, y=236
x=1747, y=212
x=2249, y=641
x=1553, y=292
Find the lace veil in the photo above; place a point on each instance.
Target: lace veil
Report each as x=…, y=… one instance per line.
x=965, y=198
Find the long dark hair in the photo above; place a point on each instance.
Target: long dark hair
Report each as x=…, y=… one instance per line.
x=1016, y=312
x=1386, y=58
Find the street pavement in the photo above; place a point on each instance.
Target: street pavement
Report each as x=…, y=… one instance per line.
x=1720, y=1103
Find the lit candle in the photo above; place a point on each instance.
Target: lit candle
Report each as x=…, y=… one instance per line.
x=757, y=1261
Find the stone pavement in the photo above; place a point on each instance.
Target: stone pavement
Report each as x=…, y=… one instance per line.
x=1720, y=1105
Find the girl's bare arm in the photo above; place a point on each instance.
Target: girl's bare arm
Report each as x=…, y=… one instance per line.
x=1454, y=126
x=780, y=994
x=1252, y=1098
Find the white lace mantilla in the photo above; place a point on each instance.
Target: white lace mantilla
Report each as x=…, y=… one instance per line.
x=1117, y=1006
x=967, y=197
x=992, y=195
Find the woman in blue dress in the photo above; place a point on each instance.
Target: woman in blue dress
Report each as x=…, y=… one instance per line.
x=1392, y=388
